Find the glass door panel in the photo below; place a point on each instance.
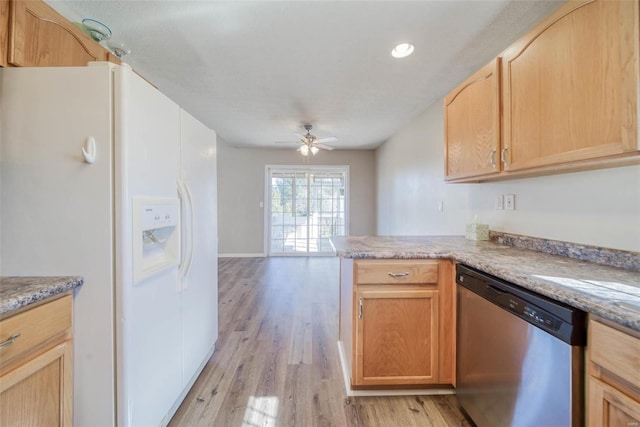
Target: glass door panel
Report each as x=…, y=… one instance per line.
x=306, y=208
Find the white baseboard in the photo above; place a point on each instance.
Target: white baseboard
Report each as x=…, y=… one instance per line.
x=401, y=392
x=262, y=255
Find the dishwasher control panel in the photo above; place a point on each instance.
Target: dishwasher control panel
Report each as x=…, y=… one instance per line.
x=541, y=317
x=524, y=309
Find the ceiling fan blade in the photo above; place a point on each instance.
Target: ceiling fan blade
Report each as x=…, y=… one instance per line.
x=299, y=135
x=323, y=146
x=286, y=142
x=327, y=139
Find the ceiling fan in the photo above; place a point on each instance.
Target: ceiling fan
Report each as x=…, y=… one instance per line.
x=310, y=143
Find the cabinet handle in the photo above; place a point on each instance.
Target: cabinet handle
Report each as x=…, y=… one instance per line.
x=503, y=156
x=10, y=341
x=403, y=274
x=492, y=158
x=360, y=308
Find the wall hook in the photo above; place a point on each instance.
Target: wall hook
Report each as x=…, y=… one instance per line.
x=89, y=150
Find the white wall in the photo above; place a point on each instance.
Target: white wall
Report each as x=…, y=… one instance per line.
x=241, y=189
x=599, y=207
x=410, y=183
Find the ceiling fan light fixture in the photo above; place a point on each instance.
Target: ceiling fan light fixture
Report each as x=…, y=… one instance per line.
x=402, y=50
x=304, y=150
x=314, y=150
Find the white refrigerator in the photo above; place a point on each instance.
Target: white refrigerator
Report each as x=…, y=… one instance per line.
x=104, y=177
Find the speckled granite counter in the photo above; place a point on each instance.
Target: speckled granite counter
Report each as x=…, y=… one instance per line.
x=609, y=292
x=16, y=292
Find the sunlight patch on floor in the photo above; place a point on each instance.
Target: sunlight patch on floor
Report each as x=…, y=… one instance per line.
x=261, y=412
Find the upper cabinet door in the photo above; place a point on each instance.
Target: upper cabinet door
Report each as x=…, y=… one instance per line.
x=472, y=125
x=570, y=86
x=4, y=32
x=40, y=37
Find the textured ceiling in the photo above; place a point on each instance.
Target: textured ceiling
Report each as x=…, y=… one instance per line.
x=256, y=71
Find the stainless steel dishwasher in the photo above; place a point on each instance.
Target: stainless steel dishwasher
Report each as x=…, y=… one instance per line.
x=519, y=355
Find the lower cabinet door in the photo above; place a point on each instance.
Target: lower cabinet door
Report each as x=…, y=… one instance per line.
x=396, y=337
x=39, y=392
x=609, y=407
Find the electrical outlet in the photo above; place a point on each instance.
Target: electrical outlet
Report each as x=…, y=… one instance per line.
x=510, y=202
x=499, y=202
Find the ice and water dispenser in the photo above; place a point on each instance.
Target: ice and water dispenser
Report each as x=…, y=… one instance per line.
x=156, y=236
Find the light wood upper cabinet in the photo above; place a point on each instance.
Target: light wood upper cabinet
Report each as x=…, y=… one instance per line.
x=472, y=125
x=571, y=86
x=40, y=37
x=4, y=32
x=569, y=98
x=36, y=366
x=614, y=377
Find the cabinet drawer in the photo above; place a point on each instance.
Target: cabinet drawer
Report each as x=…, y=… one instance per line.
x=396, y=271
x=41, y=325
x=615, y=351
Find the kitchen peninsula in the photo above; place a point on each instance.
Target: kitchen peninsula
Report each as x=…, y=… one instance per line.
x=612, y=293
x=391, y=304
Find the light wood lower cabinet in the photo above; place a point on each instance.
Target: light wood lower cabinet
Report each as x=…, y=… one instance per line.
x=36, y=369
x=610, y=407
x=397, y=322
x=38, y=393
x=397, y=336
x=614, y=377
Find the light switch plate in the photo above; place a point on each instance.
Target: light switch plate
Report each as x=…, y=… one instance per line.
x=499, y=202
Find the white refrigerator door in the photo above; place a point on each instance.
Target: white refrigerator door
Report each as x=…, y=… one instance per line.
x=57, y=215
x=200, y=282
x=149, y=324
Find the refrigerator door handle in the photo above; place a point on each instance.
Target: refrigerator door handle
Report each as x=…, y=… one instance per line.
x=189, y=232
x=183, y=228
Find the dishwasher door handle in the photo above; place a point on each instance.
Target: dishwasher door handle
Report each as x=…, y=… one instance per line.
x=495, y=291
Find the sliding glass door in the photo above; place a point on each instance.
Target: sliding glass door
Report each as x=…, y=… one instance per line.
x=306, y=207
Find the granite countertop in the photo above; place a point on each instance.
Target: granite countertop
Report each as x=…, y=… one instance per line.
x=609, y=292
x=17, y=292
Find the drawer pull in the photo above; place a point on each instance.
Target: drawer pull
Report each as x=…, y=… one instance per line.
x=10, y=341
x=403, y=274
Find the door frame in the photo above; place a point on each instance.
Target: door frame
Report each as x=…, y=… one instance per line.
x=301, y=168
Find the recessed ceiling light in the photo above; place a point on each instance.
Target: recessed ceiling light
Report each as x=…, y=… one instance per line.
x=402, y=50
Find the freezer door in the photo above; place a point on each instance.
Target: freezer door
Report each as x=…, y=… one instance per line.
x=149, y=324
x=56, y=209
x=200, y=245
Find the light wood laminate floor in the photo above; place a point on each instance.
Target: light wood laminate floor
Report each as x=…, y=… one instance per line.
x=276, y=361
